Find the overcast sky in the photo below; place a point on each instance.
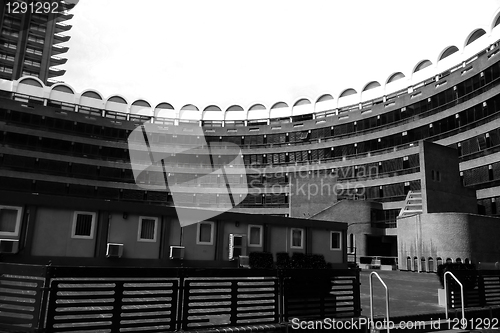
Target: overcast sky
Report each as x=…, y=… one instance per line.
x=228, y=52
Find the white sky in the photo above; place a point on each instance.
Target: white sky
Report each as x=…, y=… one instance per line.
x=226, y=52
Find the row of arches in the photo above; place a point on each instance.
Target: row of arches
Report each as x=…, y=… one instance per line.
x=430, y=264
x=303, y=105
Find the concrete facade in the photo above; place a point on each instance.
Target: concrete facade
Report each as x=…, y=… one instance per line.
x=442, y=236
x=442, y=189
x=311, y=193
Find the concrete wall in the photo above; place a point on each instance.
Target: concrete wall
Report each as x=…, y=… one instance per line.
x=448, y=235
x=47, y=227
x=195, y=251
x=124, y=231
x=52, y=235
x=357, y=213
x=321, y=245
x=278, y=244
x=311, y=193
x=445, y=194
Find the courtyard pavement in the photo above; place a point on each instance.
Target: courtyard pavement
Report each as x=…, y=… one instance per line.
x=410, y=293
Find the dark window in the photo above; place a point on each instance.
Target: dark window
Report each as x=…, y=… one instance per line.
x=83, y=225
x=148, y=229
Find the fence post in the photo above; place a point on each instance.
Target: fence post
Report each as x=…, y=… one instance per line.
x=283, y=298
x=44, y=300
x=357, y=293
x=181, y=322
x=117, y=307
x=234, y=302
x=480, y=289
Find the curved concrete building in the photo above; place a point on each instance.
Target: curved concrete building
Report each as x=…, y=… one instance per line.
x=362, y=155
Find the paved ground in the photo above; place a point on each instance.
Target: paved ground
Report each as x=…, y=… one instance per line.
x=409, y=293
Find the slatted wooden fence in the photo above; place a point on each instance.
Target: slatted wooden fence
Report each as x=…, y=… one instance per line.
x=125, y=299
x=486, y=292
x=22, y=289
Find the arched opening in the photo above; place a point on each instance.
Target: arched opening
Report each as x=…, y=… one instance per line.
x=422, y=264
x=439, y=261
x=325, y=97
x=408, y=263
x=234, y=108
x=430, y=265
x=279, y=105
x=302, y=101
x=91, y=94
x=474, y=35
x=63, y=88
x=449, y=260
x=458, y=260
x=117, y=99
x=371, y=85
x=467, y=261
x=421, y=65
x=142, y=102
x=448, y=52
x=415, y=264
x=348, y=92
x=165, y=106
x=31, y=82
x=395, y=76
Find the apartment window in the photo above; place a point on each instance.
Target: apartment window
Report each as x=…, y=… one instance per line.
x=33, y=51
x=6, y=69
x=10, y=220
x=255, y=235
x=7, y=57
x=335, y=240
x=10, y=45
x=148, y=227
x=296, y=238
x=28, y=73
x=10, y=33
x=205, y=233
x=32, y=63
x=83, y=225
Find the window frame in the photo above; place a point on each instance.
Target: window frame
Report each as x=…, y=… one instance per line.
x=301, y=238
x=212, y=228
x=261, y=235
x=17, y=228
x=92, y=226
x=139, y=229
x=340, y=240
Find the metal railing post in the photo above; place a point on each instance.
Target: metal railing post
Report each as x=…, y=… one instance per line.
x=462, y=300
x=386, y=299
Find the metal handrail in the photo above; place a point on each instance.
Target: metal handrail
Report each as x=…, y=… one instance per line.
x=386, y=299
x=462, y=300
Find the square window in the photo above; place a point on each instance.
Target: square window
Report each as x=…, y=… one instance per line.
x=205, y=233
x=147, y=231
x=254, y=235
x=10, y=220
x=296, y=238
x=335, y=240
x=83, y=225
